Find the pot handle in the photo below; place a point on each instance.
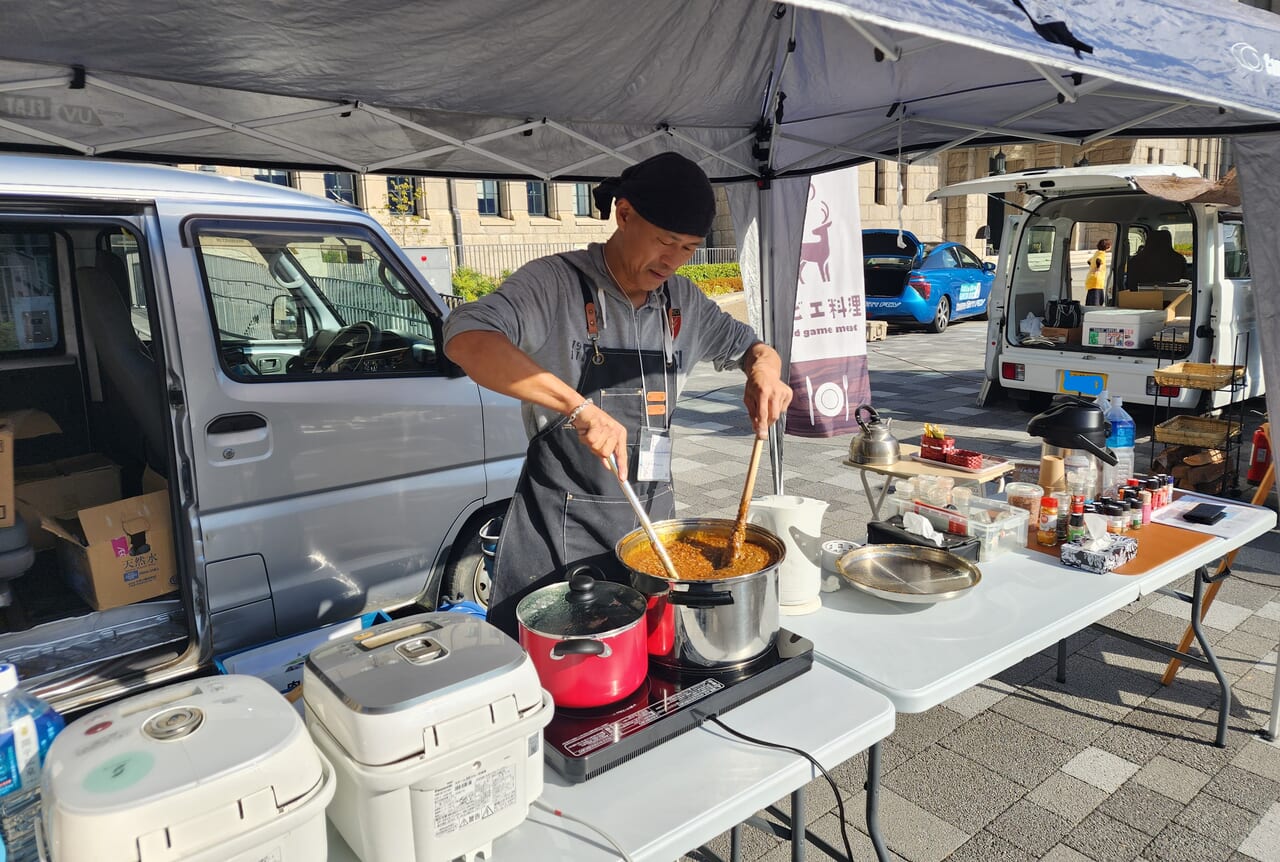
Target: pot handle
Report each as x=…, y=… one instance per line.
x=580, y=646
x=700, y=599
x=872, y=416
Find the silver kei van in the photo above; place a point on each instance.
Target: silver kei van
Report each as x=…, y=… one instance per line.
x=274, y=360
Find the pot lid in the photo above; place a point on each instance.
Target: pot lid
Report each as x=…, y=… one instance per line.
x=581, y=606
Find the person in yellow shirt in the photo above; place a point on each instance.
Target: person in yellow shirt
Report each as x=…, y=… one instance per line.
x=1095, y=283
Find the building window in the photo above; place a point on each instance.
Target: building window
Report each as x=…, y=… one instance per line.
x=536, y=193
x=879, y=195
x=404, y=196
x=266, y=175
x=341, y=187
x=487, y=197
x=582, y=199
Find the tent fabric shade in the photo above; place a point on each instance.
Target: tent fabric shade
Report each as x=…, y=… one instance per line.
x=1225, y=192
x=578, y=89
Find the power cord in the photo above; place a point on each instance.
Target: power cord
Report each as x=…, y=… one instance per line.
x=538, y=803
x=797, y=829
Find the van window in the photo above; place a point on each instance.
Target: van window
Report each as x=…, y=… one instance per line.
x=29, y=318
x=1235, y=251
x=1038, y=255
x=308, y=305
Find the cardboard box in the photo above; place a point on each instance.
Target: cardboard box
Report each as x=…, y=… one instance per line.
x=62, y=488
x=1170, y=302
x=1121, y=328
x=1060, y=335
x=18, y=425
x=119, y=553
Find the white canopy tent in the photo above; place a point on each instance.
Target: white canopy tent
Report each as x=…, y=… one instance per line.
x=761, y=93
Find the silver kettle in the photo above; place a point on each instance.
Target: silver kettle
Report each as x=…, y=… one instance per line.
x=875, y=445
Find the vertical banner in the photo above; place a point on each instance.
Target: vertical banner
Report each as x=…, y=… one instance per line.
x=829, y=341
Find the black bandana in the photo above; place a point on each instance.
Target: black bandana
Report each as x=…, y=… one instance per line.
x=667, y=190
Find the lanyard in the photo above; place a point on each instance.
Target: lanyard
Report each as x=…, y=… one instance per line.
x=655, y=403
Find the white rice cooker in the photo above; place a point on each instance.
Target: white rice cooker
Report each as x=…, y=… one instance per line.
x=219, y=769
x=434, y=727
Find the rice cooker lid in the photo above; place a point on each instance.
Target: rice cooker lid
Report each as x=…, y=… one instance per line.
x=144, y=761
x=417, y=660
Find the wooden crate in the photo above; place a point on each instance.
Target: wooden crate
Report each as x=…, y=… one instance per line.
x=877, y=330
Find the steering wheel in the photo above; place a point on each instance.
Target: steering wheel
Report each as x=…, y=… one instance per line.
x=351, y=342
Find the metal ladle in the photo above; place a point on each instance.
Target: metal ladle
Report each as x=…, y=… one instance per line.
x=645, y=523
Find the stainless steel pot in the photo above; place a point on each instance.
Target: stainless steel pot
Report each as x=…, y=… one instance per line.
x=707, y=623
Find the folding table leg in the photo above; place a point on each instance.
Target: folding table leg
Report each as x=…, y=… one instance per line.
x=1224, y=708
x=735, y=844
x=873, y=803
x=1270, y=734
x=873, y=500
x=798, y=831
x=1062, y=660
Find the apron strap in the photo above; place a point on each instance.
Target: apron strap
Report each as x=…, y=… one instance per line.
x=589, y=310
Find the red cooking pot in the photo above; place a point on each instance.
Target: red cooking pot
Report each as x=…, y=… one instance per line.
x=586, y=638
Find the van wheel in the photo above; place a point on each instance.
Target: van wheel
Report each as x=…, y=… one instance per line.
x=466, y=578
x=942, y=316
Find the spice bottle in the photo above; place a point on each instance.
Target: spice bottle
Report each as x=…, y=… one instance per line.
x=1145, y=496
x=1116, y=520
x=1075, y=526
x=1135, y=510
x=1047, y=531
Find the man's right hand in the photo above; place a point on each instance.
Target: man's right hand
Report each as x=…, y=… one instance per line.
x=603, y=435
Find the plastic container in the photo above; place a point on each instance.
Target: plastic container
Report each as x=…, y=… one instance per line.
x=28, y=726
x=1120, y=441
x=998, y=526
x=1025, y=495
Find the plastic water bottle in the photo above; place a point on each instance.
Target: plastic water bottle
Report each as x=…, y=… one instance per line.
x=1120, y=441
x=27, y=728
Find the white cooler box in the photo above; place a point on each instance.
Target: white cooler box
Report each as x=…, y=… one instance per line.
x=214, y=770
x=434, y=727
x=1124, y=328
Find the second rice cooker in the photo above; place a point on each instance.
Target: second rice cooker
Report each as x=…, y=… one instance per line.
x=434, y=726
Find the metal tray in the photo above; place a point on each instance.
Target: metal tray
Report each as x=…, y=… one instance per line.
x=907, y=573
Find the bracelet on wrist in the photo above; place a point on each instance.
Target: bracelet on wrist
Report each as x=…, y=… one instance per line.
x=577, y=410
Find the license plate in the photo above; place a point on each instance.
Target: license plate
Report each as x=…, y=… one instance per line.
x=1082, y=383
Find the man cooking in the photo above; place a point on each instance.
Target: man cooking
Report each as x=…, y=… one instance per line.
x=598, y=345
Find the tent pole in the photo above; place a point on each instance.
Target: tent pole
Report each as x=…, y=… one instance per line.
x=765, y=246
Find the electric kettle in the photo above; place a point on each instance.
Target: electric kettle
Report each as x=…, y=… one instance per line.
x=875, y=445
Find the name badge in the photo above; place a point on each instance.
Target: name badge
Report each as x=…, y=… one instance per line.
x=653, y=462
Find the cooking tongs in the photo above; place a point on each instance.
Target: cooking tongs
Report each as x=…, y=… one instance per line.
x=645, y=523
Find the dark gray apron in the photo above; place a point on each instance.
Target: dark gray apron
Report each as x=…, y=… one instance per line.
x=568, y=508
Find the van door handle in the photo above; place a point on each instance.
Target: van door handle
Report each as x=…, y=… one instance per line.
x=233, y=422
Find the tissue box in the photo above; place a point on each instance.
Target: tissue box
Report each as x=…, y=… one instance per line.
x=1121, y=550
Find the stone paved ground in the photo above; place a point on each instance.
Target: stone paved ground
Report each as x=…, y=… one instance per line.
x=1111, y=766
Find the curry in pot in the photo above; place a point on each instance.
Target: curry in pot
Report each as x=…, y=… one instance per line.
x=696, y=557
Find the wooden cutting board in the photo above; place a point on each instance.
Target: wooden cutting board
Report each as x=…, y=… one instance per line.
x=1157, y=544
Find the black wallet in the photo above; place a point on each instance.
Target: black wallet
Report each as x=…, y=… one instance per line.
x=890, y=532
x=1204, y=513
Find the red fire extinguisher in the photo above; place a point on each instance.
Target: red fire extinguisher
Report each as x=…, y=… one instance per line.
x=1259, y=457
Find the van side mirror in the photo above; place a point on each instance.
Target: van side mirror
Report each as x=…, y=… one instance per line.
x=286, y=321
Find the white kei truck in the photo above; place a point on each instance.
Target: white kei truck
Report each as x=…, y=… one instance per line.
x=1201, y=311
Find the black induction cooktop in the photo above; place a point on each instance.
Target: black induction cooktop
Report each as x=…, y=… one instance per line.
x=582, y=743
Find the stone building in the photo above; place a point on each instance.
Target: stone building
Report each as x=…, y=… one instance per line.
x=497, y=225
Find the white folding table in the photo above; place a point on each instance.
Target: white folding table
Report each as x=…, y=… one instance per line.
x=683, y=793
x=918, y=655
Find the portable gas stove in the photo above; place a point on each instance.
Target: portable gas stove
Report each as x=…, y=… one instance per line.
x=582, y=743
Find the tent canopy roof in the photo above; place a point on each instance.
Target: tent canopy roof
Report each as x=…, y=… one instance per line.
x=578, y=89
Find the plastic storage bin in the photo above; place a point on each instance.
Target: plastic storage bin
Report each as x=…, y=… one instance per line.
x=996, y=525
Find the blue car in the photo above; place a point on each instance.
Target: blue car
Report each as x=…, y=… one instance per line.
x=929, y=284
